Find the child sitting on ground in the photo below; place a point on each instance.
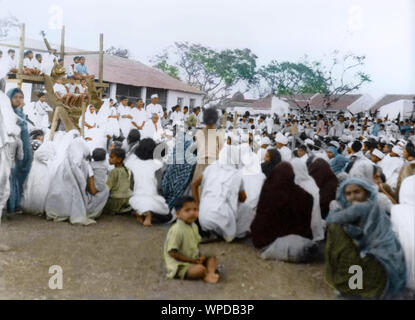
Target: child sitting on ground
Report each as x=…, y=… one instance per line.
x=119, y=183
x=181, y=249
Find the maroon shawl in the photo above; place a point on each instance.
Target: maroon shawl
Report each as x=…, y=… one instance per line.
x=327, y=182
x=284, y=208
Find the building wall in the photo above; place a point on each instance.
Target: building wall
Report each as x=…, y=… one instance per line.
x=173, y=96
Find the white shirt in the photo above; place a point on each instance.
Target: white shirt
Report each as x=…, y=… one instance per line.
x=29, y=63
x=139, y=116
x=82, y=89
x=154, y=108
x=12, y=63
x=149, y=131
x=285, y=154
x=71, y=88
x=177, y=118
x=60, y=88
x=69, y=71
x=42, y=108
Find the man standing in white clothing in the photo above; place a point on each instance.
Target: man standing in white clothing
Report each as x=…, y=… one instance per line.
x=154, y=107
x=139, y=116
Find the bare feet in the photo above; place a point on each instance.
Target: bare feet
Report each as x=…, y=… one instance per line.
x=211, y=278
x=147, y=222
x=140, y=218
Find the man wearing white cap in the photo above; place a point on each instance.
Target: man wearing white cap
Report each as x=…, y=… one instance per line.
x=377, y=156
x=281, y=142
x=265, y=142
x=393, y=166
x=154, y=107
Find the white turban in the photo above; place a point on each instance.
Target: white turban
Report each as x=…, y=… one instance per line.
x=280, y=138
x=154, y=96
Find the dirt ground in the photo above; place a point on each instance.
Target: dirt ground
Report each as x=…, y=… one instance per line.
x=118, y=259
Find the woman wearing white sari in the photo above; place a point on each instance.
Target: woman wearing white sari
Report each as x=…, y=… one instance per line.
x=107, y=119
x=403, y=223
x=10, y=147
x=305, y=181
x=252, y=176
x=92, y=134
x=221, y=208
x=37, y=185
x=68, y=197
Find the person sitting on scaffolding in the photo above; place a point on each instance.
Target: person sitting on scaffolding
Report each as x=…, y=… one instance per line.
x=83, y=92
x=61, y=92
x=81, y=71
x=72, y=89
x=29, y=64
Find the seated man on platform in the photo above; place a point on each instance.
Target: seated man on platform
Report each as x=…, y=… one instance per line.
x=29, y=64
x=81, y=71
x=12, y=61
x=61, y=92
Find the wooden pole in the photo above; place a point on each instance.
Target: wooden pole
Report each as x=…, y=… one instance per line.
x=63, y=43
x=101, y=62
x=21, y=52
x=54, y=123
x=101, y=58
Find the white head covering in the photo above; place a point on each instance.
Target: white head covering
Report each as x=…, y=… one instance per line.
x=305, y=181
x=280, y=138
x=309, y=141
x=397, y=150
x=403, y=223
x=363, y=170
x=8, y=120
x=154, y=96
x=378, y=154
x=336, y=144
x=265, y=140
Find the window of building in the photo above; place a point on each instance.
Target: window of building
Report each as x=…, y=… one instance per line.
x=131, y=92
x=192, y=103
x=180, y=101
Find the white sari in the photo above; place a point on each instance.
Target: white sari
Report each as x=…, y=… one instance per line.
x=37, y=185
x=220, y=210
x=9, y=143
x=67, y=197
x=403, y=223
x=305, y=181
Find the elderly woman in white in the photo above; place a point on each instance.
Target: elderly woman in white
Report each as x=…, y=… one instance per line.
x=152, y=129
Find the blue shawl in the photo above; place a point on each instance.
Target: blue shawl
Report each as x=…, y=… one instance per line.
x=178, y=172
x=339, y=162
x=21, y=170
x=370, y=228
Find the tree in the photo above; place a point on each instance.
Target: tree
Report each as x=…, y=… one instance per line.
x=215, y=73
x=161, y=63
x=119, y=52
x=338, y=78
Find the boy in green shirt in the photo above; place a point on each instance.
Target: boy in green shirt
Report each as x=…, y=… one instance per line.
x=119, y=184
x=181, y=249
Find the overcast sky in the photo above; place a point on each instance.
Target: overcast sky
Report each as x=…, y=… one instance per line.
x=383, y=30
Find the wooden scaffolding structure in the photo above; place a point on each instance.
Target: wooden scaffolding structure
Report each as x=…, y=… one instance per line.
x=61, y=113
